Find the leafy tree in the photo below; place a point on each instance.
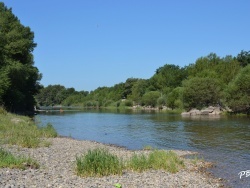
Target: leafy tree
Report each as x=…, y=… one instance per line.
x=128, y=86
x=201, y=92
x=51, y=95
x=238, y=92
x=138, y=90
x=19, y=78
x=150, y=98
x=168, y=76
x=175, y=98
x=244, y=58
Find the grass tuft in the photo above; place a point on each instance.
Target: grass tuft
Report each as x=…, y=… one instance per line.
x=157, y=159
x=10, y=161
x=98, y=162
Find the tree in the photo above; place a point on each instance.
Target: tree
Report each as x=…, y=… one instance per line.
x=174, y=98
x=19, y=77
x=150, y=98
x=170, y=76
x=138, y=90
x=238, y=92
x=244, y=58
x=201, y=92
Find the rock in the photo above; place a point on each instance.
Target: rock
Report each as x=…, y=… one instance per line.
x=185, y=114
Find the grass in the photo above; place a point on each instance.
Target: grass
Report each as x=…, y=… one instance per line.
x=147, y=147
x=100, y=162
x=10, y=161
x=22, y=131
x=157, y=159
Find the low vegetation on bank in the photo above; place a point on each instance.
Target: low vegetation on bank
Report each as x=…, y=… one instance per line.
x=22, y=131
x=10, y=161
x=100, y=162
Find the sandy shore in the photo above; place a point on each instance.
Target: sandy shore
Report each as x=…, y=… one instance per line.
x=57, y=169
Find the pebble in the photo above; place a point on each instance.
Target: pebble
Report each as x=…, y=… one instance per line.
x=57, y=164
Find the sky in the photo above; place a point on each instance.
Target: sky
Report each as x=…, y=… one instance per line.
x=86, y=44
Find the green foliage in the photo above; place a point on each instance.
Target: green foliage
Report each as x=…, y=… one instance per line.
x=118, y=185
x=168, y=76
x=18, y=77
x=175, y=98
x=244, y=58
x=98, y=162
x=3, y=111
x=138, y=90
x=157, y=159
x=150, y=98
x=201, y=92
x=22, y=131
x=197, y=85
x=238, y=92
x=161, y=101
x=48, y=131
x=212, y=66
x=7, y=160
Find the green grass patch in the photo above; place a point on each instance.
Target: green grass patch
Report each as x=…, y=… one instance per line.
x=22, y=131
x=100, y=162
x=157, y=159
x=7, y=160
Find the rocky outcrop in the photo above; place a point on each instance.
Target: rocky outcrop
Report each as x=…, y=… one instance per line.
x=207, y=111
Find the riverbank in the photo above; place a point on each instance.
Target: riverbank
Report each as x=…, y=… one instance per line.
x=57, y=164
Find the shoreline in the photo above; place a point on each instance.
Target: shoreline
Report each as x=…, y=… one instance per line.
x=57, y=168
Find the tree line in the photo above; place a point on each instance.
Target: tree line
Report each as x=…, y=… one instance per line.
x=210, y=81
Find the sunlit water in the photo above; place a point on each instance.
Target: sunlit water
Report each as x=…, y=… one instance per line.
x=222, y=140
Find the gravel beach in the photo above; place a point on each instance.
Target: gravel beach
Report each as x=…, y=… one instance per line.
x=57, y=164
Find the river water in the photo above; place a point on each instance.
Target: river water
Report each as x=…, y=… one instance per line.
x=222, y=140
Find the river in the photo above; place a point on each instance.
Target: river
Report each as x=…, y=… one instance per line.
x=224, y=141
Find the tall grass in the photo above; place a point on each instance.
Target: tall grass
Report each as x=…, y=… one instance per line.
x=100, y=162
x=157, y=159
x=10, y=161
x=22, y=131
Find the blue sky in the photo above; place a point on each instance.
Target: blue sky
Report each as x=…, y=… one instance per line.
x=87, y=44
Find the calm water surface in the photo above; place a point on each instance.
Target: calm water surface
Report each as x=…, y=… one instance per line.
x=223, y=140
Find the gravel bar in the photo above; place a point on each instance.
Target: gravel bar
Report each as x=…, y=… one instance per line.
x=57, y=164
